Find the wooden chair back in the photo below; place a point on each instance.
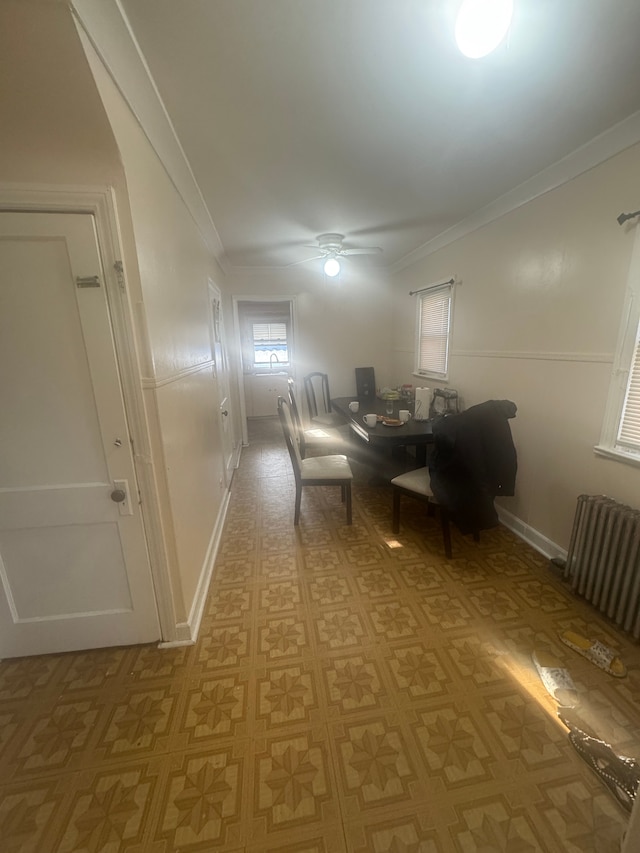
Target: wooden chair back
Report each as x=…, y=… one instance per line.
x=290, y=435
x=316, y=386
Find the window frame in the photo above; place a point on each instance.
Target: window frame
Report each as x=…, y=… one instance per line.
x=257, y=365
x=627, y=351
x=424, y=293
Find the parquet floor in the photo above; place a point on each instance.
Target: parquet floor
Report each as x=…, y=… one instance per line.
x=350, y=690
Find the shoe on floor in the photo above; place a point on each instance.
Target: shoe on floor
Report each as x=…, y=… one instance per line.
x=620, y=774
x=596, y=652
x=556, y=679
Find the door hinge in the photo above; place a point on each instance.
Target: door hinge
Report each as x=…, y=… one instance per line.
x=87, y=281
x=120, y=273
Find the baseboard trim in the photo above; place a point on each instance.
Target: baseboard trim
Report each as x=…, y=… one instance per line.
x=186, y=633
x=174, y=644
x=530, y=535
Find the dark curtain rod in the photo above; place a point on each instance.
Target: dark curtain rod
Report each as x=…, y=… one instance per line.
x=624, y=216
x=431, y=286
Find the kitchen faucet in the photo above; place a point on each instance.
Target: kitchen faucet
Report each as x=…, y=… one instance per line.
x=271, y=357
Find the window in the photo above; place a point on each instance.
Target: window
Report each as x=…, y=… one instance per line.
x=266, y=334
x=433, y=330
x=621, y=430
x=270, y=345
x=629, y=432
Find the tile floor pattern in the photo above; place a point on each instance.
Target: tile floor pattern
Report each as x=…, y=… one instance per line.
x=350, y=691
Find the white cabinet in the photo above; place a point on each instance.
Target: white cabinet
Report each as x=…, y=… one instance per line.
x=261, y=393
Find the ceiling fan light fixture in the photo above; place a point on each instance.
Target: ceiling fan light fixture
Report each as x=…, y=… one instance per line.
x=331, y=267
x=481, y=25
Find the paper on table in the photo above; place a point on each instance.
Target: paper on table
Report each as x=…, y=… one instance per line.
x=423, y=399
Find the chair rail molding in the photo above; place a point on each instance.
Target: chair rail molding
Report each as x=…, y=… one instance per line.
x=527, y=355
x=594, y=357
x=160, y=381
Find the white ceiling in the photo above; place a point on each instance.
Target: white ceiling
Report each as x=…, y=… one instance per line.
x=360, y=116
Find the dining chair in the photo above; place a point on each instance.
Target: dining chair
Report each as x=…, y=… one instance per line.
x=316, y=387
x=331, y=470
x=315, y=440
x=415, y=484
x=473, y=462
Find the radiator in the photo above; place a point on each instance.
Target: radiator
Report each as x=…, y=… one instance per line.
x=603, y=562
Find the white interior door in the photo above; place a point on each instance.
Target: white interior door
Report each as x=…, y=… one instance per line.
x=74, y=569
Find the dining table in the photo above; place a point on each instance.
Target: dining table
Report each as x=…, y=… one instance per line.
x=412, y=433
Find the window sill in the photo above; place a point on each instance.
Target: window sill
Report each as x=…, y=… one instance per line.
x=618, y=455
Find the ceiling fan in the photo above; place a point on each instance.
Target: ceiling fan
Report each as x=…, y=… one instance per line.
x=331, y=250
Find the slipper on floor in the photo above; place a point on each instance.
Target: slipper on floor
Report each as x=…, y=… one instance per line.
x=556, y=679
x=575, y=723
x=596, y=652
x=620, y=774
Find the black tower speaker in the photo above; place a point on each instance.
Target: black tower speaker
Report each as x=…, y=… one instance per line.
x=365, y=382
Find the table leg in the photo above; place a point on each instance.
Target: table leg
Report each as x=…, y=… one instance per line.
x=421, y=455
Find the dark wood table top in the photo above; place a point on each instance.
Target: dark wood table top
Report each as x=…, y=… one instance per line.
x=413, y=432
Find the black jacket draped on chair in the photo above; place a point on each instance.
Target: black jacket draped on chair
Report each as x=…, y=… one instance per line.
x=474, y=461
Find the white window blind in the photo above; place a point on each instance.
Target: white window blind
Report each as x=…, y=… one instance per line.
x=266, y=332
x=270, y=345
x=629, y=431
x=620, y=437
x=434, y=325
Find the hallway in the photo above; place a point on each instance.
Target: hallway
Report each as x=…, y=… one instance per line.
x=349, y=691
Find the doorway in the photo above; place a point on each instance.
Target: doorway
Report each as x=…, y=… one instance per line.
x=267, y=354
x=74, y=567
x=230, y=448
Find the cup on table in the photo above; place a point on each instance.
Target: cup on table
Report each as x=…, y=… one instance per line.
x=404, y=415
x=370, y=420
x=354, y=406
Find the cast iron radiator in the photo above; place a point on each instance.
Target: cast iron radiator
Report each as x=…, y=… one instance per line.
x=603, y=562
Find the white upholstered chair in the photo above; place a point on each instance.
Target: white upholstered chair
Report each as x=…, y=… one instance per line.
x=331, y=470
x=316, y=388
x=415, y=484
x=316, y=439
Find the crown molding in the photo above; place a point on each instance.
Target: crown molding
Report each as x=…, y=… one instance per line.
x=602, y=147
x=105, y=25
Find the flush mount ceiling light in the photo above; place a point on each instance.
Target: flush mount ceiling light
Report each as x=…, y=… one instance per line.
x=331, y=267
x=481, y=25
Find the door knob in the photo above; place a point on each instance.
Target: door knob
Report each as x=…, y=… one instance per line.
x=225, y=413
x=118, y=496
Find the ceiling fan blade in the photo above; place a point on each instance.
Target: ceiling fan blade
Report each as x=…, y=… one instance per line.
x=372, y=250
x=305, y=261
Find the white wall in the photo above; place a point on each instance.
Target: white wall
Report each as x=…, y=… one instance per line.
x=172, y=268
x=53, y=127
x=536, y=321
